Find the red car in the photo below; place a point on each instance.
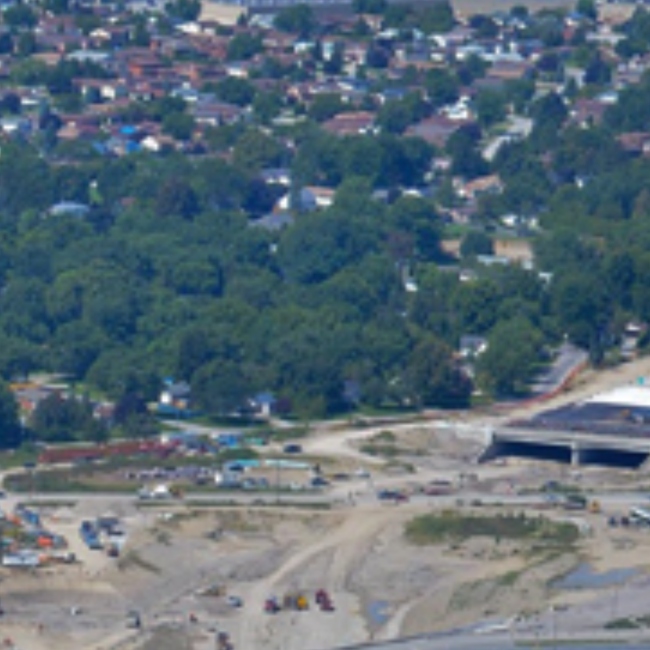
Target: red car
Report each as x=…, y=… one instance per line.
x=271, y=606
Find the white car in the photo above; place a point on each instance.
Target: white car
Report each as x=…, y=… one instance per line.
x=234, y=601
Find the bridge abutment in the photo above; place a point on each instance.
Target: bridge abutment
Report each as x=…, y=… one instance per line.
x=576, y=454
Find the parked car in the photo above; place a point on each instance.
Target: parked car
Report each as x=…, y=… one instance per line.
x=292, y=448
x=234, y=601
x=392, y=495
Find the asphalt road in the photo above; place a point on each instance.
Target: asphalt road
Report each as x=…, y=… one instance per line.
x=568, y=359
x=498, y=642
x=621, y=500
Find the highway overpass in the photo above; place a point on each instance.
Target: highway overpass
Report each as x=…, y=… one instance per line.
x=571, y=447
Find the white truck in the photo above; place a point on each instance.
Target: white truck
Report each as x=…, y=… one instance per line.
x=155, y=493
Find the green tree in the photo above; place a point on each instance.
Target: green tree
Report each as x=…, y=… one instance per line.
x=177, y=197
x=484, y=26
x=580, y=302
x=179, y=126
x=10, y=429
x=490, y=108
x=437, y=17
x=314, y=249
x=324, y=106
x=597, y=71
x=587, y=8
x=256, y=150
x=235, y=91
x=442, y=87
x=296, y=19
x=58, y=419
x=462, y=146
x=220, y=387
x=369, y=6
x=187, y=10
x=243, y=46
x=476, y=243
x=433, y=379
x=507, y=364
x=140, y=35
x=20, y=15
x=417, y=217
x=267, y=106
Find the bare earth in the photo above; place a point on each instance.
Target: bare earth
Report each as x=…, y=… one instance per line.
x=381, y=585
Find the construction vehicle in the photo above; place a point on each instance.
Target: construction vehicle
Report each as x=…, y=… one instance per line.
x=176, y=492
x=296, y=601
x=575, y=502
x=223, y=641
x=271, y=606
x=594, y=507
x=324, y=601
x=215, y=591
x=133, y=620
x=326, y=606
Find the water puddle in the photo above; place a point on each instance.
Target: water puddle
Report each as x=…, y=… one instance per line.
x=584, y=577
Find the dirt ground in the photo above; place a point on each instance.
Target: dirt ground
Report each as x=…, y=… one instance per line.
x=381, y=585
x=179, y=565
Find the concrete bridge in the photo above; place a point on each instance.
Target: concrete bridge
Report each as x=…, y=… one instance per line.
x=571, y=447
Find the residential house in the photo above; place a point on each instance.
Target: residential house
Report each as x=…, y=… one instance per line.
x=435, y=130
x=472, y=346
x=511, y=70
x=175, y=397
x=280, y=176
x=70, y=208
x=263, y=404
x=471, y=190
x=350, y=123
x=273, y=222
x=217, y=113
x=586, y=112
x=636, y=142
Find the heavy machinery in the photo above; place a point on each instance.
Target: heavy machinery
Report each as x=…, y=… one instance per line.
x=324, y=601
x=295, y=601
x=594, y=507
x=133, y=620
x=271, y=606
x=223, y=641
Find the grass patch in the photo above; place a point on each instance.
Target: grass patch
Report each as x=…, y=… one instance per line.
x=385, y=451
x=636, y=623
x=53, y=481
x=385, y=436
x=383, y=444
x=292, y=433
x=509, y=579
x=622, y=624
x=52, y=505
x=451, y=526
x=18, y=457
x=233, y=422
x=231, y=503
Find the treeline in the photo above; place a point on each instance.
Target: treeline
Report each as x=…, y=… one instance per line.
x=167, y=275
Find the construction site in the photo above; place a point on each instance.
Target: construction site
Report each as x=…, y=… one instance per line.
x=407, y=534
